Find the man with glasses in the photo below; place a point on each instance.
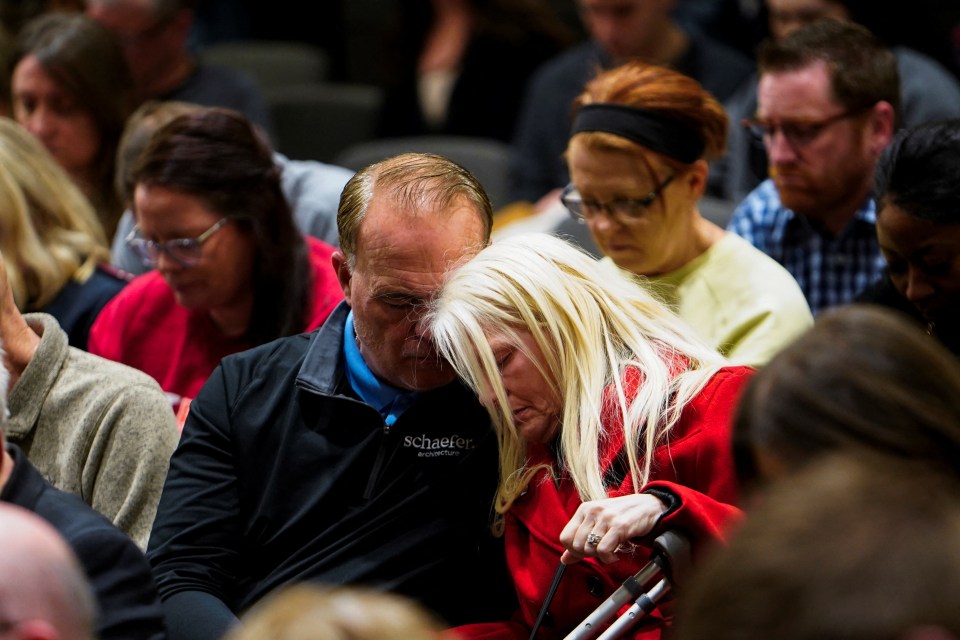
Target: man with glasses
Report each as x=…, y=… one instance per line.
x=928, y=91
x=827, y=101
x=154, y=35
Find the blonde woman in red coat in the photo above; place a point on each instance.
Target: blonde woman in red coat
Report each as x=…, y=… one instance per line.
x=583, y=373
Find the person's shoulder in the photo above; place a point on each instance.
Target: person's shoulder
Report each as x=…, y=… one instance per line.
x=729, y=380
x=108, y=277
x=720, y=53
x=323, y=174
x=761, y=204
x=142, y=303
x=108, y=395
x=571, y=64
x=912, y=63
x=105, y=375
x=77, y=521
x=277, y=355
x=737, y=257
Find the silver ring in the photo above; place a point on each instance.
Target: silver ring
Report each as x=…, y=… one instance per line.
x=593, y=539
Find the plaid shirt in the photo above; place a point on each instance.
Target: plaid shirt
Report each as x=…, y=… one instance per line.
x=830, y=271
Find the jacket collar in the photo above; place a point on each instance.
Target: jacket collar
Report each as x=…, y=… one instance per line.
x=25, y=484
x=322, y=367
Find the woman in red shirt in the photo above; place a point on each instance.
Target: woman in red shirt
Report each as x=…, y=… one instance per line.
x=232, y=270
x=613, y=420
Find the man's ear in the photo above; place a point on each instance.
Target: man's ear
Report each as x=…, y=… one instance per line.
x=881, y=127
x=342, y=269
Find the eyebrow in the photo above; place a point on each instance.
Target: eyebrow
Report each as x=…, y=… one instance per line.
x=400, y=296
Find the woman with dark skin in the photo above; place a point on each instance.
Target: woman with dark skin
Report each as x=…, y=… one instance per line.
x=918, y=226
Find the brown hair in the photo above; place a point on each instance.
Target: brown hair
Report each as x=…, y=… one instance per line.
x=852, y=548
x=863, y=378
x=219, y=156
x=86, y=59
x=862, y=70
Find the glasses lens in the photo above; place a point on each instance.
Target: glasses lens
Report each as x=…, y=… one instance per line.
x=186, y=251
x=755, y=129
x=572, y=201
x=145, y=249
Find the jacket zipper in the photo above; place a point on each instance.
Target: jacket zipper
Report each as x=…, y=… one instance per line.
x=377, y=463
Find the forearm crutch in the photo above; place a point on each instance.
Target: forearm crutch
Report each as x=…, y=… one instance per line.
x=670, y=557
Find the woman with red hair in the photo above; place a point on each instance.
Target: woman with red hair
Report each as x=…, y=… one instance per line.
x=638, y=155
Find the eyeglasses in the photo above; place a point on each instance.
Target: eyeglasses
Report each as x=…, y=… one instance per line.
x=186, y=251
x=798, y=133
x=623, y=209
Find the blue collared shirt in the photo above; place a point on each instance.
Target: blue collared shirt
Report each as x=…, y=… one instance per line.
x=388, y=400
x=830, y=271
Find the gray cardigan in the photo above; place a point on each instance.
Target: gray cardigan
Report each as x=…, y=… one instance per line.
x=95, y=428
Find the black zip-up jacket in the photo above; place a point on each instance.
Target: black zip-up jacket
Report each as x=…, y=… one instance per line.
x=284, y=475
x=127, y=602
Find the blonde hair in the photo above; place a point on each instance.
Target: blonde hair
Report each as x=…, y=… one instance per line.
x=311, y=612
x=49, y=231
x=592, y=324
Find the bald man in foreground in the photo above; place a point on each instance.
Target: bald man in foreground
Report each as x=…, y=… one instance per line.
x=44, y=593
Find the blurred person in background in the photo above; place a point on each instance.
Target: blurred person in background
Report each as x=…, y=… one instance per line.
x=928, y=90
x=918, y=227
x=154, y=35
x=71, y=88
x=232, y=269
x=638, y=155
x=828, y=98
x=52, y=243
x=620, y=30
x=311, y=188
x=459, y=67
x=316, y=612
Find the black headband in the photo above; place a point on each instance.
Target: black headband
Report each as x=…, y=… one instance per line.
x=643, y=126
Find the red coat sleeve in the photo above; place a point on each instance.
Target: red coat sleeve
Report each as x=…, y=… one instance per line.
x=696, y=468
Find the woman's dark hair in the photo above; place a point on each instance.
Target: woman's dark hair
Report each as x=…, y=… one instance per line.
x=86, y=59
x=918, y=172
x=863, y=377
x=217, y=155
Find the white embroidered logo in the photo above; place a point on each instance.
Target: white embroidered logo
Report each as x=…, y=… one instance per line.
x=452, y=445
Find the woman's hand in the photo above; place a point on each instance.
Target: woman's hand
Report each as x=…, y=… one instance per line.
x=599, y=527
